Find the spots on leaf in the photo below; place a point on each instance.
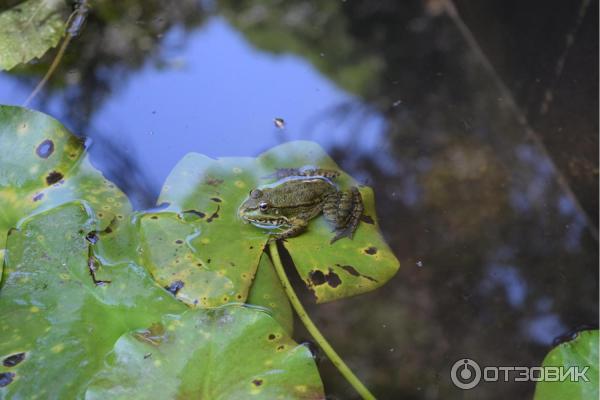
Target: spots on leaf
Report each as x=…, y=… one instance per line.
x=352, y=271
x=179, y=241
x=333, y=279
x=53, y=177
x=367, y=219
x=257, y=382
x=216, y=199
x=213, y=181
x=13, y=360
x=175, y=287
x=93, y=265
x=197, y=213
x=371, y=250
x=214, y=215
x=45, y=149
x=92, y=237
x=317, y=277
x=38, y=197
x=271, y=336
x=6, y=378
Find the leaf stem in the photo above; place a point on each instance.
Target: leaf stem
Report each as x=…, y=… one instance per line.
x=313, y=330
x=72, y=27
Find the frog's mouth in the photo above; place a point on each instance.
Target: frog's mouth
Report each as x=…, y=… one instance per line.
x=267, y=222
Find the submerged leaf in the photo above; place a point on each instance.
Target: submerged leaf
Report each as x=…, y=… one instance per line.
x=581, y=352
x=212, y=191
x=29, y=28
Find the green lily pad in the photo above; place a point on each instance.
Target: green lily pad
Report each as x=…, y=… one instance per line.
x=66, y=319
x=580, y=352
x=54, y=319
x=213, y=190
x=29, y=28
x=232, y=352
x=217, y=261
x=43, y=165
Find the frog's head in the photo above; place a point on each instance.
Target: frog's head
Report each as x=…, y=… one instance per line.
x=257, y=209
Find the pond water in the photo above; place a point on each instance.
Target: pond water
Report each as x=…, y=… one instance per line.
x=499, y=255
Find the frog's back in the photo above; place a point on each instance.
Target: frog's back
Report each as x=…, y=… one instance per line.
x=303, y=191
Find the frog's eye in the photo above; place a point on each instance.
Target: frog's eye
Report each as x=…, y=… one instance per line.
x=263, y=206
x=255, y=193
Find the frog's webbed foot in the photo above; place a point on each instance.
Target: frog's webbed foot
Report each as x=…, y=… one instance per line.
x=297, y=226
x=286, y=172
x=344, y=210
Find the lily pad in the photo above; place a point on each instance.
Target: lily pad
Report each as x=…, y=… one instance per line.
x=43, y=165
x=29, y=28
x=581, y=352
x=68, y=319
x=213, y=190
x=232, y=352
x=54, y=318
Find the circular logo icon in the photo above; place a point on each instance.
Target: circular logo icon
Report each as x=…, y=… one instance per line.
x=465, y=374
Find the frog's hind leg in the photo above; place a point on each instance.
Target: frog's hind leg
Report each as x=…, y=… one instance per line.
x=343, y=210
x=286, y=172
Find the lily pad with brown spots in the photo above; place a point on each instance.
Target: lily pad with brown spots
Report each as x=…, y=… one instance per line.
x=231, y=352
x=67, y=319
x=42, y=165
x=213, y=191
x=62, y=309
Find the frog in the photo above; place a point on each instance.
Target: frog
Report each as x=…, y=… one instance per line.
x=298, y=196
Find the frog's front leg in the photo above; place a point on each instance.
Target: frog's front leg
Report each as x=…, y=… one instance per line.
x=296, y=227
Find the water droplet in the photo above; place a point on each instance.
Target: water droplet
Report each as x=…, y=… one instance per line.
x=396, y=103
x=419, y=264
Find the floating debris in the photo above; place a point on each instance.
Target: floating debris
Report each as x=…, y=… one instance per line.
x=279, y=123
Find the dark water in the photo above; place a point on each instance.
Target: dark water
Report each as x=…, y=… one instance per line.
x=497, y=235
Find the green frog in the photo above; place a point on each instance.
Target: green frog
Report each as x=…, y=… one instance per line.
x=299, y=195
